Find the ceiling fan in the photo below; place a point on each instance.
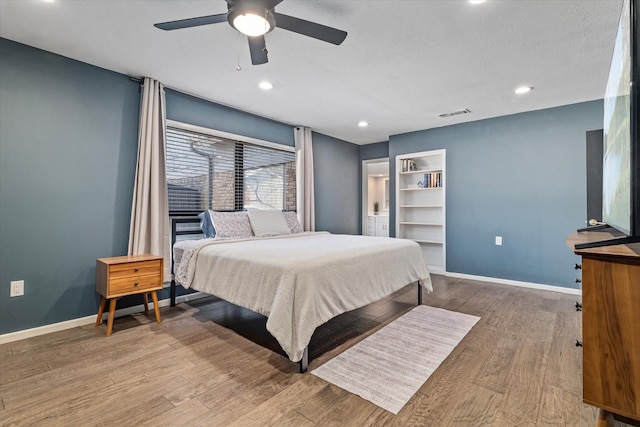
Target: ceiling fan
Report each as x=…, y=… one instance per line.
x=255, y=18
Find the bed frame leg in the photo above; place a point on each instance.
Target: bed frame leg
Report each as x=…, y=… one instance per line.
x=173, y=293
x=419, y=294
x=304, y=362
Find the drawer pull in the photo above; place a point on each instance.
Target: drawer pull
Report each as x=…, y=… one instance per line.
x=578, y=306
x=577, y=266
x=136, y=284
x=578, y=280
x=136, y=270
x=578, y=343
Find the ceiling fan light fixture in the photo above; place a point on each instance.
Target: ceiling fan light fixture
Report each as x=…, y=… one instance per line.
x=252, y=22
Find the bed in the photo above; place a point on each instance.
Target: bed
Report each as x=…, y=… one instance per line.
x=299, y=280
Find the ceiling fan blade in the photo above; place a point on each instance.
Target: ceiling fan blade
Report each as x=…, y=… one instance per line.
x=270, y=4
x=311, y=29
x=258, y=49
x=192, y=22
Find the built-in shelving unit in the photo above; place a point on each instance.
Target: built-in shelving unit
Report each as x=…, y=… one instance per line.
x=421, y=203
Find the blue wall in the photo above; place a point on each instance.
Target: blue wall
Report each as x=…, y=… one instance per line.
x=379, y=150
x=199, y=112
x=522, y=177
x=68, y=147
x=337, y=182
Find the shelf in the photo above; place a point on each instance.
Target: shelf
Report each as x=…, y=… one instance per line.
x=432, y=224
x=421, y=171
x=421, y=189
x=430, y=242
x=420, y=206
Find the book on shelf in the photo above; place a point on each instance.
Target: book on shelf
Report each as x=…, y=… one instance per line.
x=432, y=180
x=408, y=165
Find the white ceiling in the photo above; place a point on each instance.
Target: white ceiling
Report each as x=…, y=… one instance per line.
x=403, y=62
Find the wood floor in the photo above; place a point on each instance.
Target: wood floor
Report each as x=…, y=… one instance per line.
x=210, y=363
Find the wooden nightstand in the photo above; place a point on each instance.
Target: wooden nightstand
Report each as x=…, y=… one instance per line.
x=127, y=275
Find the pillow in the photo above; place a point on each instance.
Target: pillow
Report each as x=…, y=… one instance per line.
x=231, y=224
x=268, y=223
x=292, y=221
x=206, y=224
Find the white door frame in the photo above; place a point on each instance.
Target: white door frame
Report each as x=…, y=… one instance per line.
x=365, y=191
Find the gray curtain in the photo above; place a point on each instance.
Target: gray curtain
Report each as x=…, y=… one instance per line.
x=304, y=178
x=149, y=229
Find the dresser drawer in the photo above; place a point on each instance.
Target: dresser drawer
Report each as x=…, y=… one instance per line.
x=133, y=269
x=135, y=284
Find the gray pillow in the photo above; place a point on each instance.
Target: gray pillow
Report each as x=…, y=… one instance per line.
x=268, y=223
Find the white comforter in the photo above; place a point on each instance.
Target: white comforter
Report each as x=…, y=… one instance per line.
x=300, y=281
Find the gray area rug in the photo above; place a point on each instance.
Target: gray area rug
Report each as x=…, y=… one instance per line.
x=388, y=367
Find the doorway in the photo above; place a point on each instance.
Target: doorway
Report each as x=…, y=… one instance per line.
x=375, y=195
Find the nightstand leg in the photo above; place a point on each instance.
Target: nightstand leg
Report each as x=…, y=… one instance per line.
x=103, y=301
x=602, y=418
x=154, y=297
x=145, y=301
x=112, y=310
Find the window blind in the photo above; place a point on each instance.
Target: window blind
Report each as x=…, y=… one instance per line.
x=209, y=172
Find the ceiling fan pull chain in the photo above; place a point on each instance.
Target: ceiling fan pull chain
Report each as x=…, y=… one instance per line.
x=238, y=67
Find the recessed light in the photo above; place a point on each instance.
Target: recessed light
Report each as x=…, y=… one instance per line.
x=266, y=85
x=363, y=124
x=523, y=89
x=476, y=1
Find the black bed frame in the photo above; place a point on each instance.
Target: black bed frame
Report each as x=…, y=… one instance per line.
x=174, y=235
x=175, y=232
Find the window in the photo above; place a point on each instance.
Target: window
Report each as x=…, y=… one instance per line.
x=211, y=172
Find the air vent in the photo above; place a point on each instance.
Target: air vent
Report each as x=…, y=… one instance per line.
x=455, y=113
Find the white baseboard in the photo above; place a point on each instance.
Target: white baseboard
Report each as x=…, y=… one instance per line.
x=68, y=324
x=560, y=289
x=55, y=327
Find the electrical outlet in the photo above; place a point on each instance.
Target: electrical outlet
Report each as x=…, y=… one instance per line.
x=17, y=289
x=498, y=240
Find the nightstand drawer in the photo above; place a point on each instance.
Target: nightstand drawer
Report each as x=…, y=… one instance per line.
x=133, y=269
x=135, y=284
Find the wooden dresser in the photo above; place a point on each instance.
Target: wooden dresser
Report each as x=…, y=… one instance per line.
x=128, y=275
x=610, y=326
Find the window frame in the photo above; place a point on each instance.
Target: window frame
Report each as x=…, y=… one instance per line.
x=227, y=135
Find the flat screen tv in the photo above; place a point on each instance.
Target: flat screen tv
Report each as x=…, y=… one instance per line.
x=621, y=159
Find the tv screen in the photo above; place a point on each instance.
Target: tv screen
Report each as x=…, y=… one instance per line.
x=617, y=179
